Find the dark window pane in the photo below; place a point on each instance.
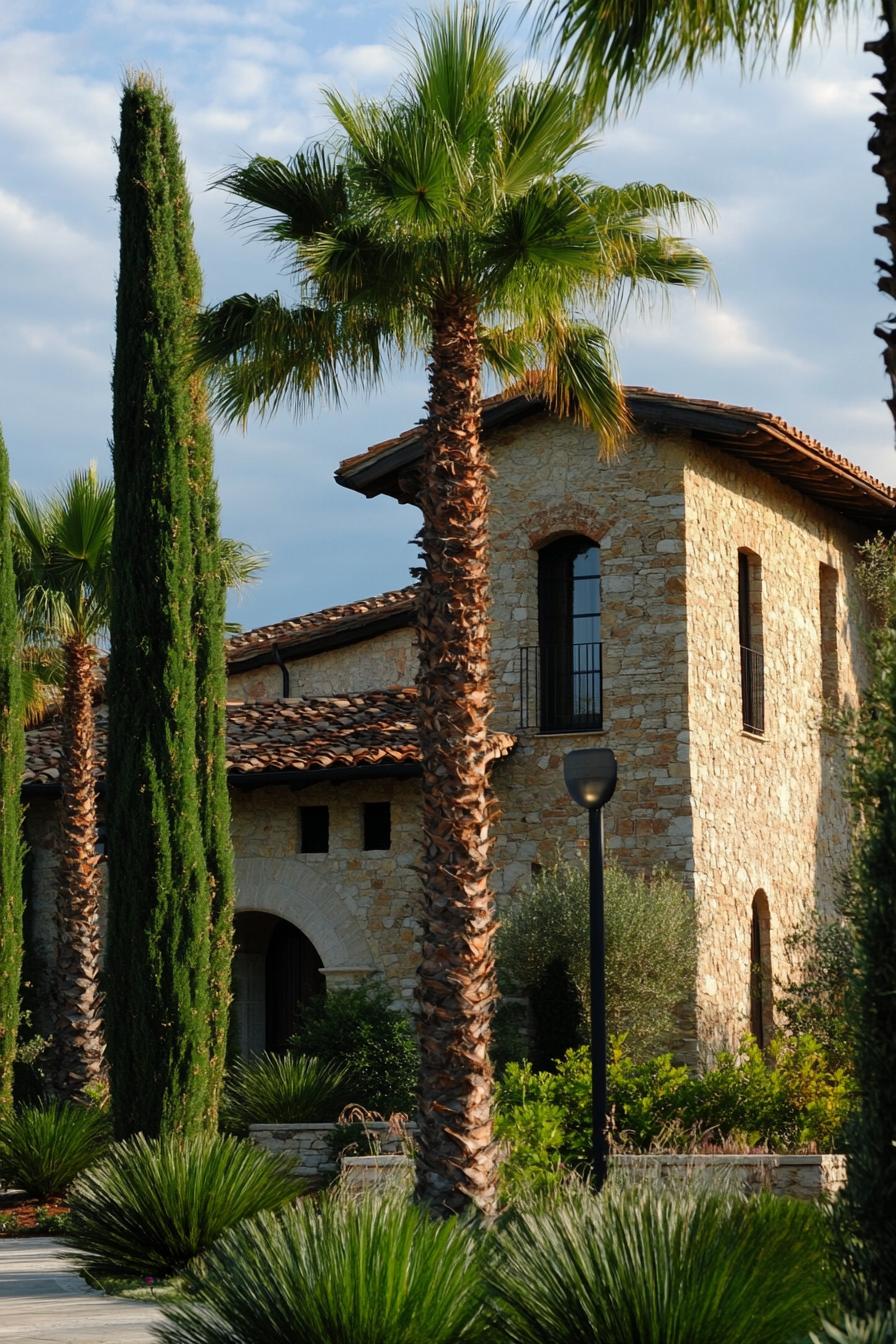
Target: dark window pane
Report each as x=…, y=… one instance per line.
x=314, y=830
x=377, y=826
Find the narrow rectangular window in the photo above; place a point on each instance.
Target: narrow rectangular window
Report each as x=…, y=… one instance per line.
x=314, y=830
x=749, y=618
x=377, y=826
x=827, y=611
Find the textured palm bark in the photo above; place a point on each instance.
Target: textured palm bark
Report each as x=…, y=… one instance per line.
x=78, y=1044
x=456, y=1166
x=883, y=146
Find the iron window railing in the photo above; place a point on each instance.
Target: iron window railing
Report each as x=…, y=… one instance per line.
x=561, y=687
x=752, y=689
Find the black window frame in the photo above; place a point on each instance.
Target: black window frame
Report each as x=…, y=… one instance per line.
x=314, y=828
x=376, y=824
x=570, y=670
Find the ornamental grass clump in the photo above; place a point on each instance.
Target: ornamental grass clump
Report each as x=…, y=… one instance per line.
x=648, y=1266
x=375, y=1270
x=283, y=1090
x=45, y=1147
x=154, y=1206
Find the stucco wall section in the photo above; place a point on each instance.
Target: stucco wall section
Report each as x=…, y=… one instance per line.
x=387, y=660
x=769, y=811
x=358, y=907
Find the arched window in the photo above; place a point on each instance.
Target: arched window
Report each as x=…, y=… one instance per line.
x=569, y=608
x=761, y=1011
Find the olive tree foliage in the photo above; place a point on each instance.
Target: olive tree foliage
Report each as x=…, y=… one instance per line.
x=651, y=949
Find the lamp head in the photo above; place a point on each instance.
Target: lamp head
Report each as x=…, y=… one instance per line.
x=590, y=776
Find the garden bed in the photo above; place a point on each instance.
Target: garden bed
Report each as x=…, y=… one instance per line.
x=24, y=1217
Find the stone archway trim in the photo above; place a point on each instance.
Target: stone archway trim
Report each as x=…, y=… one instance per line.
x=564, y=520
x=293, y=890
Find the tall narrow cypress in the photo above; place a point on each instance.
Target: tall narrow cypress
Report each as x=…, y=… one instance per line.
x=12, y=759
x=159, y=1008
x=209, y=602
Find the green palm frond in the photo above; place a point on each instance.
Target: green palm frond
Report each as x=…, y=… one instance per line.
x=457, y=66
x=615, y=49
x=307, y=193
x=537, y=125
x=259, y=353
x=460, y=184
x=240, y=565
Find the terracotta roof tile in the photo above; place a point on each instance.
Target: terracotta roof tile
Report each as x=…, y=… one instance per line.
x=343, y=731
x=347, y=618
x=765, y=439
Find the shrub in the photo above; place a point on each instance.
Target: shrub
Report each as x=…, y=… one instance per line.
x=542, y=951
x=815, y=1004
x=374, y=1271
x=284, y=1090
x=788, y=1100
x=153, y=1206
x=44, y=1147
x=357, y=1029
x=644, y=1266
x=877, y=1329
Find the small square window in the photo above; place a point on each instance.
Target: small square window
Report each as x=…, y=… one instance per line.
x=377, y=826
x=314, y=830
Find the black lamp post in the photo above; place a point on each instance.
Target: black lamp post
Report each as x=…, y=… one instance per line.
x=590, y=777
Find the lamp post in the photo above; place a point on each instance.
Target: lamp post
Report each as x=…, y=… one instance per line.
x=590, y=777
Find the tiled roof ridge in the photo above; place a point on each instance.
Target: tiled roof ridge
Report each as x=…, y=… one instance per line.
x=375, y=728
x=728, y=408
x=320, y=622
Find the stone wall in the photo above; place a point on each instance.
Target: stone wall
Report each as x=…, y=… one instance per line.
x=550, y=481
x=800, y=1175
x=769, y=810
x=358, y=907
x=311, y=1145
x=389, y=659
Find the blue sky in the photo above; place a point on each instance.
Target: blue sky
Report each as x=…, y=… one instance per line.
x=783, y=159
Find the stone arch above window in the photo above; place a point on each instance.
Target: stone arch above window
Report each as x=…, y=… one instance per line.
x=564, y=520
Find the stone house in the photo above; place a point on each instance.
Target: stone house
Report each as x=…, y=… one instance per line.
x=691, y=603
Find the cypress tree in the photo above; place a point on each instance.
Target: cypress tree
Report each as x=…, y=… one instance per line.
x=866, y=1215
x=209, y=602
x=12, y=760
x=159, y=1006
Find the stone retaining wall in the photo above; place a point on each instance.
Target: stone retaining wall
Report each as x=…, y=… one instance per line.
x=802, y=1175
x=309, y=1144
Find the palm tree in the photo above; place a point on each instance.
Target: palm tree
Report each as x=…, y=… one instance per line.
x=447, y=221
x=619, y=48
x=62, y=554
x=62, y=559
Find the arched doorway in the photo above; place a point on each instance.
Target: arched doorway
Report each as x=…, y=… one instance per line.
x=276, y=969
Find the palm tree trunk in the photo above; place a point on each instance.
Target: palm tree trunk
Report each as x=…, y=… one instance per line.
x=883, y=146
x=456, y=987
x=78, y=1044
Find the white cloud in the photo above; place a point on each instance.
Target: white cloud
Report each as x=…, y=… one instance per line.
x=714, y=336
x=366, y=63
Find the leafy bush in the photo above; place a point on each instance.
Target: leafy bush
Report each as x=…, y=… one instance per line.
x=644, y=1266
x=877, y=1329
x=815, y=1003
x=374, y=1271
x=44, y=1147
x=153, y=1206
x=788, y=1100
x=542, y=951
x=283, y=1090
x=357, y=1029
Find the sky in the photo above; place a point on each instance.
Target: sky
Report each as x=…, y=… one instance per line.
x=783, y=159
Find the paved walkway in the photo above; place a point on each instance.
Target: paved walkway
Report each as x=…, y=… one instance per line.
x=43, y=1302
